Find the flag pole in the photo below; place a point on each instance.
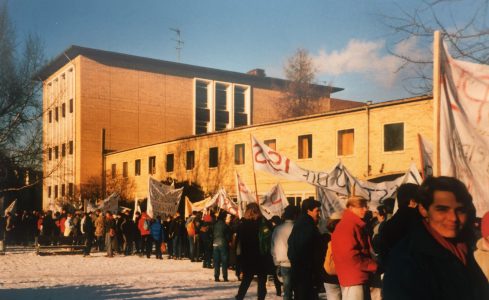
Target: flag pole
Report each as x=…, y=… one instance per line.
x=436, y=101
x=421, y=158
x=254, y=173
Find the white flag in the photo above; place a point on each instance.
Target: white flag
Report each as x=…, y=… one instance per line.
x=221, y=200
x=162, y=199
x=137, y=208
x=274, y=202
x=464, y=126
x=111, y=203
x=426, y=155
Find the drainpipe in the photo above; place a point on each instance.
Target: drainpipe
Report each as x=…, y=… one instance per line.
x=103, y=163
x=369, y=168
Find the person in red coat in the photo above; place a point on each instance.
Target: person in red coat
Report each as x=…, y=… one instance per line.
x=351, y=251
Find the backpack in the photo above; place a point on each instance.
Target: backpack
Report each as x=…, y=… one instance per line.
x=329, y=265
x=264, y=237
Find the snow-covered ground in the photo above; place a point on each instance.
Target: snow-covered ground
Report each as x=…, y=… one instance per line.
x=24, y=275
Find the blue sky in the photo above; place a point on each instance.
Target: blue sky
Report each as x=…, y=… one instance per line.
x=347, y=39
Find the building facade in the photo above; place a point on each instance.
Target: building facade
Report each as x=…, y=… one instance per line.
x=97, y=102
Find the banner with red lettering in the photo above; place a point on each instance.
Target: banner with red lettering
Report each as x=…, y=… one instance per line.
x=274, y=202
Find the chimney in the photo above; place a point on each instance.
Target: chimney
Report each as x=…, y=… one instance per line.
x=257, y=72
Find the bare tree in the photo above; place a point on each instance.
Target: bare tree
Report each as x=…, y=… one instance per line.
x=20, y=104
x=466, y=35
x=300, y=97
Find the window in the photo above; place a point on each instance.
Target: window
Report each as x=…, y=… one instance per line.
x=63, y=150
x=169, y=162
x=63, y=110
x=50, y=153
x=63, y=190
x=49, y=191
x=152, y=165
x=394, y=137
x=240, y=112
x=113, y=171
x=124, y=169
x=56, y=116
x=55, y=191
x=239, y=154
x=137, y=167
x=50, y=116
x=213, y=157
x=70, y=147
x=346, y=142
x=70, y=189
x=190, y=164
x=271, y=143
x=222, y=114
x=71, y=105
x=56, y=152
x=305, y=146
x=202, y=112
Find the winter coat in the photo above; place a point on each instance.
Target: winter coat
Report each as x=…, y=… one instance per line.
x=144, y=217
x=482, y=257
x=221, y=234
x=351, y=251
x=421, y=268
x=68, y=226
x=156, y=230
x=127, y=227
x=87, y=227
x=279, y=246
x=252, y=261
x=100, y=226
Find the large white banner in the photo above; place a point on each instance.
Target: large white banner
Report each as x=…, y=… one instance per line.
x=464, y=126
x=162, y=199
x=274, y=202
x=111, y=203
x=221, y=200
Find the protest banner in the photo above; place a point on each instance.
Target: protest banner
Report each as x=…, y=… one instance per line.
x=162, y=199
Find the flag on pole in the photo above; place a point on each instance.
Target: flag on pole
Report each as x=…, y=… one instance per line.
x=274, y=202
x=10, y=209
x=188, y=207
x=111, y=203
x=162, y=199
x=464, y=125
x=137, y=208
x=221, y=200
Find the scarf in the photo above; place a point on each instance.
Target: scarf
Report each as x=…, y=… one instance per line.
x=459, y=249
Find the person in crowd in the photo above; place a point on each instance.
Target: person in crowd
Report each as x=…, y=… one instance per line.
x=379, y=219
x=143, y=226
x=279, y=248
x=9, y=228
x=435, y=261
x=110, y=238
x=62, y=222
x=206, y=230
x=351, y=250
x=177, y=228
x=127, y=228
x=330, y=278
x=68, y=226
x=157, y=235
x=169, y=235
x=253, y=256
x=88, y=231
x=191, y=236
x=119, y=219
x=482, y=252
x=100, y=230
x=220, y=243
x=396, y=228
x=136, y=232
x=235, y=248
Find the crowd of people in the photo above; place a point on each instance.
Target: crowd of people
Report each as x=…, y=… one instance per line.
x=431, y=247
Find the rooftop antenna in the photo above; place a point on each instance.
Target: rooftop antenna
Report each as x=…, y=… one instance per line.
x=179, y=41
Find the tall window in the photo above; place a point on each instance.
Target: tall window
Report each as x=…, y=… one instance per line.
x=50, y=153
x=202, y=112
x=70, y=147
x=63, y=190
x=169, y=162
x=63, y=150
x=222, y=114
x=114, y=166
x=56, y=152
x=271, y=143
x=50, y=116
x=240, y=114
x=305, y=146
x=190, y=163
x=70, y=189
x=137, y=167
x=213, y=157
x=345, y=142
x=56, y=116
x=239, y=154
x=55, y=191
x=63, y=110
x=394, y=137
x=71, y=105
x=49, y=191
x=125, y=169
x=152, y=165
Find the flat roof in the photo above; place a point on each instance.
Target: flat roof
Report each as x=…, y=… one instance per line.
x=164, y=67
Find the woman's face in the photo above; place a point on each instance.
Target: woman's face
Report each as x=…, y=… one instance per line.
x=445, y=215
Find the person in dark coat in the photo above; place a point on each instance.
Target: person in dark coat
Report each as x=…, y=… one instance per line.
x=435, y=260
x=220, y=243
x=128, y=230
x=157, y=235
x=254, y=257
x=88, y=230
x=305, y=252
x=206, y=230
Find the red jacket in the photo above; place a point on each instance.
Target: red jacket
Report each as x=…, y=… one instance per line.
x=143, y=218
x=351, y=251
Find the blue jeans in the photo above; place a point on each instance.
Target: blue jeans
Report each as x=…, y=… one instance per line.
x=287, y=282
x=221, y=258
x=177, y=250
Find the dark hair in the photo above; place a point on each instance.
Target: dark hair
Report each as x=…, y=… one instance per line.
x=382, y=210
x=291, y=212
x=310, y=204
x=407, y=192
x=252, y=211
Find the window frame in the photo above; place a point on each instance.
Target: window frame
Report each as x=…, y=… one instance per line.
x=152, y=165
x=300, y=151
x=137, y=167
x=192, y=165
x=240, y=148
x=338, y=142
x=211, y=159
x=167, y=162
x=384, y=137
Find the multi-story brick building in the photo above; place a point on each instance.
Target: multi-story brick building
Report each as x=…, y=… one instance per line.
x=138, y=101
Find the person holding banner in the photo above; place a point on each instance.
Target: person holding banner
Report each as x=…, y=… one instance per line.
x=435, y=260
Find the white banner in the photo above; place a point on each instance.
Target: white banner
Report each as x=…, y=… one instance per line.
x=162, y=199
x=274, y=202
x=243, y=195
x=426, y=155
x=464, y=126
x=136, y=209
x=221, y=200
x=89, y=207
x=111, y=203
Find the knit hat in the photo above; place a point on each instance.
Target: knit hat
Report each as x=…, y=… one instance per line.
x=485, y=225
